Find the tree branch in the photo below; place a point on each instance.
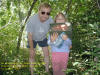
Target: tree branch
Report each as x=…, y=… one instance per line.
x=98, y=4
x=23, y=26
x=29, y=13
x=0, y=3
x=68, y=6
x=6, y=24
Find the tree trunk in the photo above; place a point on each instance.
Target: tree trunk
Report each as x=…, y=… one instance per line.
x=23, y=26
x=68, y=6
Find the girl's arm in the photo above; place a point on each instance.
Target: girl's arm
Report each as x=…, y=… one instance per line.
x=68, y=42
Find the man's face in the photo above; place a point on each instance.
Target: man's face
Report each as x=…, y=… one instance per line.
x=44, y=14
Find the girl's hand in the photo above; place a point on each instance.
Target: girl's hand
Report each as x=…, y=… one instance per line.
x=64, y=37
x=54, y=36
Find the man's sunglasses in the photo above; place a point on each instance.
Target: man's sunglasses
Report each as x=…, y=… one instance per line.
x=47, y=13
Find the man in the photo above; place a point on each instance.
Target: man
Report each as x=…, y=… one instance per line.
x=37, y=28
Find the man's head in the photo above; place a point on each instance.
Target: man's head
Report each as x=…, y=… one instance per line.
x=44, y=11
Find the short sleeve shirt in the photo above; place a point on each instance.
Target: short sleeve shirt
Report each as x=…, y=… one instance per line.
x=37, y=28
x=64, y=48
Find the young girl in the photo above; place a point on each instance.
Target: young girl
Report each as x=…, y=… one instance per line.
x=59, y=54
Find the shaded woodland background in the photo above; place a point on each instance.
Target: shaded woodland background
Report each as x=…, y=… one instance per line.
x=84, y=16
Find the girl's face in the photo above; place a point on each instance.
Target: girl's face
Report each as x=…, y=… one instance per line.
x=60, y=19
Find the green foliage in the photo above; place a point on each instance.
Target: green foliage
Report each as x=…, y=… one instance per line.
x=86, y=23
x=84, y=16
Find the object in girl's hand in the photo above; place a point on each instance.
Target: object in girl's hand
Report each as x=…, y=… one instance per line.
x=60, y=26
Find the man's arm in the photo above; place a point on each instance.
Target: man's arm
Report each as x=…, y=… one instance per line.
x=30, y=41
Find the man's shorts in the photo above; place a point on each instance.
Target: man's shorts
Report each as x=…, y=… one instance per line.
x=40, y=43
